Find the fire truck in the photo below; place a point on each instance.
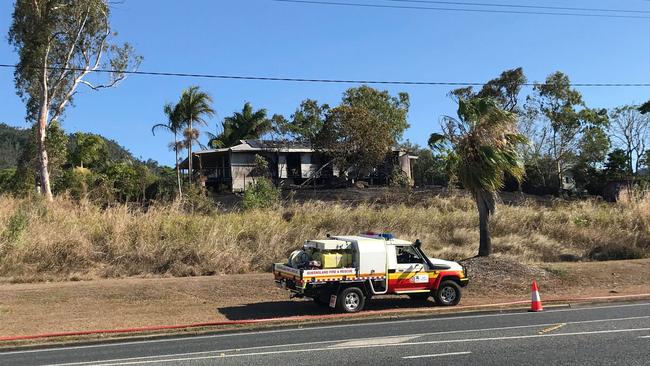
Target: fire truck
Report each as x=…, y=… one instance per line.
x=345, y=272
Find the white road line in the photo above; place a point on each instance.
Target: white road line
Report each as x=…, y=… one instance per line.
x=648, y=336
x=376, y=339
x=438, y=355
x=212, y=336
x=492, y=339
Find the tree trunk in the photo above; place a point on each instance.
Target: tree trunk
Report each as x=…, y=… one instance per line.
x=629, y=162
x=559, y=178
x=557, y=156
x=178, y=169
x=42, y=151
x=485, y=242
x=189, y=149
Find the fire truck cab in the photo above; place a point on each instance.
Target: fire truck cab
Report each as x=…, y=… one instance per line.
x=345, y=272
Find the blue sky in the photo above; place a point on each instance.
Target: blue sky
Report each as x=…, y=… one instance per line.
x=261, y=37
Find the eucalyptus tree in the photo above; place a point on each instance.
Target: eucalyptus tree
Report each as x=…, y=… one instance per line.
x=360, y=132
x=194, y=107
x=504, y=90
x=484, y=137
x=60, y=43
x=174, y=125
x=645, y=107
x=630, y=128
x=564, y=112
x=307, y=121
x=88, y=149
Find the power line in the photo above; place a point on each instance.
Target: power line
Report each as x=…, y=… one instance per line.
x=313, y=80
x=521, y=6
x=362, y=5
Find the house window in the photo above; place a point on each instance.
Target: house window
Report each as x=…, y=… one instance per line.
x=293, y=165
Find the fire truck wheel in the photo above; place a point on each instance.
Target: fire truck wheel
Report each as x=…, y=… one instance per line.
x=351, y=300
x=448, y=294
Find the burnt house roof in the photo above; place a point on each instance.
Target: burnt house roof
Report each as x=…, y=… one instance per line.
x=273, y=144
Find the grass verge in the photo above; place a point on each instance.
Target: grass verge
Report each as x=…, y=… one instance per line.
x=67, y=240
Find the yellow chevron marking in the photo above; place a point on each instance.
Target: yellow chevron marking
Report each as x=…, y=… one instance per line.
x=552, y=328
x=408, y=275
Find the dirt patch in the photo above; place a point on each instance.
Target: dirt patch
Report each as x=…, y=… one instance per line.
x=138, y=302
x=502, y=274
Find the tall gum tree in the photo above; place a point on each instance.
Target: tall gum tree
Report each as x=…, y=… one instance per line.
x=360, y=132
x=563, y=111
x=60, y=43
x=630, y=129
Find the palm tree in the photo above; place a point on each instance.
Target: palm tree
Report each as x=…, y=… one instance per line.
x=194, y=106
x=174, y=125
x=484, y=139
x=247, y=124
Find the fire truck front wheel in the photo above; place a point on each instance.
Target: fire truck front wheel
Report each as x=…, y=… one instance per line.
x=447, y=294
x=351, y=300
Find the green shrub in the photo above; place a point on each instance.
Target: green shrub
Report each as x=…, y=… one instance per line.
x=17, y=224
x=398, y=178
x=261, y=194
x=78, y=181
x=196, y=200
x=7, y=180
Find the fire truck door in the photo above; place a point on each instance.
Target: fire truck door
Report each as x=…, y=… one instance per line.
x=410, y=271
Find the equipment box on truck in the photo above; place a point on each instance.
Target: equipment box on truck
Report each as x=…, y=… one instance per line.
x=346, y=271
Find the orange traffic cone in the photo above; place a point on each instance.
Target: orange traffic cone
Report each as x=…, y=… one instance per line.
x=536, y=301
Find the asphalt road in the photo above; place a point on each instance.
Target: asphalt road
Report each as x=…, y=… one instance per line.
x=612, y=334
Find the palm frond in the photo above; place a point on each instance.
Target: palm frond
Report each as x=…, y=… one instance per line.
x=158, y=127
x=488, y=148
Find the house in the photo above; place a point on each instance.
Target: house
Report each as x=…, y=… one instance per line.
x=568, y=182
x=289, y=163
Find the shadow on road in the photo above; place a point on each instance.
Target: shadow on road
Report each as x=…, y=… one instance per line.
x=273, y=309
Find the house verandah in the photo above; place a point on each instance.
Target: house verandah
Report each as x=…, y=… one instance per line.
x=289, y=164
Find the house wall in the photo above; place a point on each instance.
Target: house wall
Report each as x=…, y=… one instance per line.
x=405, y=165
x=308, y=165
x=282, y=166
x=241, y=166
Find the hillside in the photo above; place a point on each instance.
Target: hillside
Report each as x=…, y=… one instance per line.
x=14, y=139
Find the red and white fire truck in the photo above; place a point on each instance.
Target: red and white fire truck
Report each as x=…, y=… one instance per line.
x=346, y=271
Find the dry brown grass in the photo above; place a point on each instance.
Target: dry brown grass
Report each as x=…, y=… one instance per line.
x=68, y=240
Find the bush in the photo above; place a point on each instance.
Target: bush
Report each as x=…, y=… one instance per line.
x=77, y=181
x=7, y=180
x=615, y=252
x=16, y=225
x=196, y=200
x=261, y=194
x=399, y=179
